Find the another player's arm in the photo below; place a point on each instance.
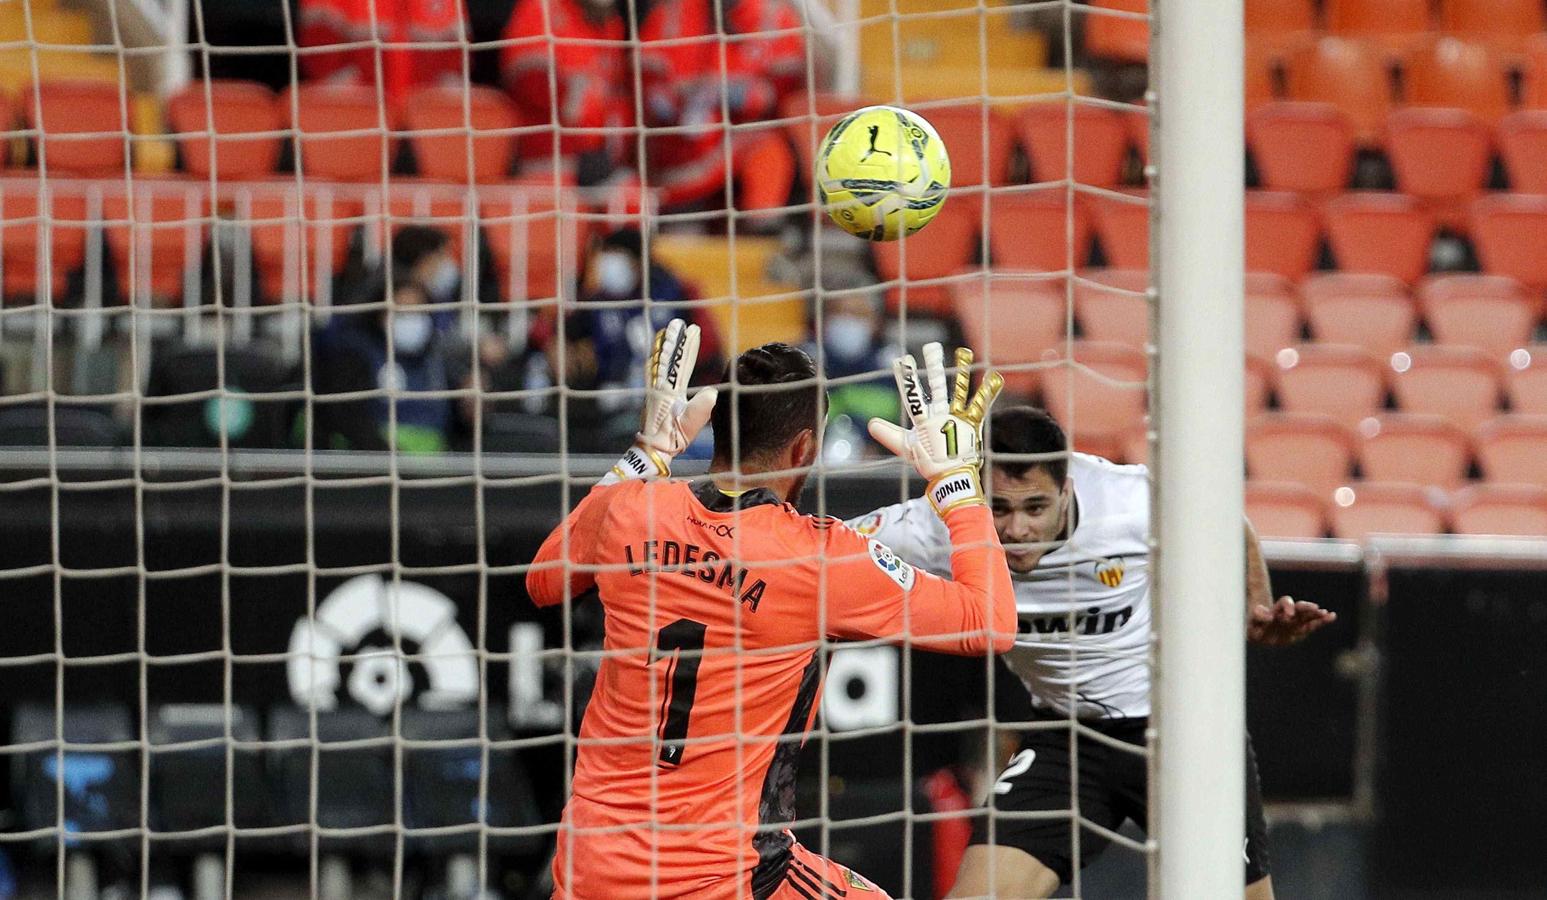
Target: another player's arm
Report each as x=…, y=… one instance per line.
x=913, y=531
x=1275, y=624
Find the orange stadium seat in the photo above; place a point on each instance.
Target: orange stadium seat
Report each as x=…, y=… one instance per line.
x=1455, y=73
x=1386, y=507
x=1525, y=380
x=1502, y=24
x=232, y=109
x=1442, y=156
x=966, y=128
x=943, y=250
x=1011, y=321
x=1303, y=448
x=1518, y=510
x=1511, y=449
x=1412, y=447
x=1383, y=233
x=1460, y=383
x=1523, y=147
x=1285, y=509
x=153, y=240
x=1305, y=147
x=1508, y=229
x=1533, y=86
x=292, y=239
x=491, y=118
x=534, y=240
x=1380, y=323
x=1137, y=124
x=812, y=116
x=1113, y=306
x=82, y=123
x=1345, y=382
x=1099, y=135
x=1349, y=74
x=1031, y=227
x=1259, y=74
x=1359, y=284
x=1114, y=36
x=1283, y=234
x=1492, y=312
x=1395, y=24
x=1280, y=25
x=1095, y=411
x=1257, y=380
x=24, y=236
x=340, y=131
x=1124, y=227
x=1272, y=322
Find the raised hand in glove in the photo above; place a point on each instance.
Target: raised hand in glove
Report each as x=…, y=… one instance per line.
x=670, y=420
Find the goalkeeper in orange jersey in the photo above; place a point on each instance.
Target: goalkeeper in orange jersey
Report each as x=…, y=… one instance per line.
x=718, y=595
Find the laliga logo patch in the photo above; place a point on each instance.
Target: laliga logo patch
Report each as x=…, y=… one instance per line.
x=887, y=562
x=1110, y=572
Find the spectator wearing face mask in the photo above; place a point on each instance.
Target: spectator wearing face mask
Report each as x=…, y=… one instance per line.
x=422, y=256
x=854, y=354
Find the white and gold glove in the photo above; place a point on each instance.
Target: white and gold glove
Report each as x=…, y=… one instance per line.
x=945, y=442
x=670, y=420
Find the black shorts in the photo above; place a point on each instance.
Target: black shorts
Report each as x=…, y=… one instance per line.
x=1114, y=786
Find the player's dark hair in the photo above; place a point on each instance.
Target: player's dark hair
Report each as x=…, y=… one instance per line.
x=766, y=416
x=1023, y=430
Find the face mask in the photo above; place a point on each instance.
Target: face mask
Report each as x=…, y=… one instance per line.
x=443, y=281
x=846, y=337
x=411, y=333
x=615, y=275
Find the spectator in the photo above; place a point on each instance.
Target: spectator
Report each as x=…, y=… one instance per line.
x=854, y=353
x=422, y=255
x=394, y=23
x=592, y=82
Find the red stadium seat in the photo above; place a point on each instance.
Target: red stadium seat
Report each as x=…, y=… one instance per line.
x=1512, y=449
x=1272, y=323
x=1459, y=383
x=1285, y=509
x=1280, y=25
x=534, y=240
x=966, y=128
x=25, y=233
x=1492, y=312
x=1305, y=147
x=1030, y=230
x=1259, y=74
x=82, y=126
x=1525, y=380
x=1257, y=381
x=941, y=252
x=1113, y=306
x=1382, y=233
x=1352, y=284
x=232, y=109
x=1349, y=74
x=1501, y=24
x=1454, y=73
x=1344, y=382
x=342, y=131
x=1099, y=406
x=1523, y=147
x=489, y=123
x=1011, y=321
x=1283, y=234
x=1380, y=323
x=154, y=240
x=814, y=114
x=1395, y=24
x=1386, y=507
x=1115, y=36
x=1417, y=448
x=1442, y=156
x=1533, y=86
x=1517, y=510
x=1124, y=228
x=1508, y=229
x=297, y=243
x=1099, y=134
x=1137, y=123
x=1307, y=449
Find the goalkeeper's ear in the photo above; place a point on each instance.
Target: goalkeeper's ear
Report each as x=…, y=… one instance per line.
x=891, y=436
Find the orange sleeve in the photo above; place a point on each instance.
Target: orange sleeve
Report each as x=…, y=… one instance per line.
x=873, y=593
x=546, y=579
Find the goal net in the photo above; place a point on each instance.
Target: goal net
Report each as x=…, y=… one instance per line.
x=319, y=315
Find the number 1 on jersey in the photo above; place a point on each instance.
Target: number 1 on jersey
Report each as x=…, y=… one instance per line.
x=681, y=683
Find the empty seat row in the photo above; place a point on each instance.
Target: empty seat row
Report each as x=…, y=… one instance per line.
x=1359, y=510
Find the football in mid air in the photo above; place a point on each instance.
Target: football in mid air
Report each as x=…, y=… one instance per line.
x=882, y=173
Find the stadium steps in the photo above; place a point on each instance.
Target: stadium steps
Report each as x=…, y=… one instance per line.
x=760, y=309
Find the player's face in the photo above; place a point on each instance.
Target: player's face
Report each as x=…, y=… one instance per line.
x=1029, y=513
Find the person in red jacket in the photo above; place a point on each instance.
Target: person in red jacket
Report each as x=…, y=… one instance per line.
x=583, y=45
x=395, y=24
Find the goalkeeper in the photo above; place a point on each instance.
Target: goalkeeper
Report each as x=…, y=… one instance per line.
x=718, y=594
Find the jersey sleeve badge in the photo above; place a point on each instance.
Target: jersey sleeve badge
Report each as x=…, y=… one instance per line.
x=892, y=565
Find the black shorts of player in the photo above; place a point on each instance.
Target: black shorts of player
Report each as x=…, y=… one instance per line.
x=1113, y=785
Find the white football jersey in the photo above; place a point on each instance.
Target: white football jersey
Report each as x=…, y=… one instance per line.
x=1084, y=611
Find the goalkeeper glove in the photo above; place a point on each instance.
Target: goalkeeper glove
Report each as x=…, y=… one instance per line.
x=945, y=442
x=670, y=420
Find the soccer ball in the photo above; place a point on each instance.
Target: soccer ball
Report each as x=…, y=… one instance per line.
x=882, y=173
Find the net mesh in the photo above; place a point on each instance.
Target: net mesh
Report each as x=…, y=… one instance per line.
x=272, y=638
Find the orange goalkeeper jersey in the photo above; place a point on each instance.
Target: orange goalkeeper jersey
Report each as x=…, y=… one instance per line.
x=714, y=611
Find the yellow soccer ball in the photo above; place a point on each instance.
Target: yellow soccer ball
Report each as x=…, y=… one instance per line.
x=882, y=173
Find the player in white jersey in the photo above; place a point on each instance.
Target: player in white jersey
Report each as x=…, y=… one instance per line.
x=1075, y=529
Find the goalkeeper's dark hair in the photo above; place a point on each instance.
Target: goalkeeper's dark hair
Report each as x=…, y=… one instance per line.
x=1018, y=431
x=773, y=396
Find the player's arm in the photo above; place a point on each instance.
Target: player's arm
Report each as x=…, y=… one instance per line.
x=1275, y=624
x=556, y=574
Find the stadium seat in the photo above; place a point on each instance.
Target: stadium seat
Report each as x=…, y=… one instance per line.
x=1280, y=26
x=339, y=132
x=1272, y=322
x=1394, y=24
x=182, y=377
x=1303, y=448
x=330, y=774
x=1358, y=284
x=1344, y=382
x=1282, y=234
x=535, y=242
x=1523, y=147
x=1533, y=85
x=1517, y=510
x=1386, y=507
x=184, y=778
x=1137, y=123
x=1512, y=449
x=1412, y=447
x=1030, y=230
x=1019, y=318
x=24, y=235
x=1441, y=156
x=1383, y=233
x=489, y=124
x=1304, y=147
x=1379, y=322
x=82, y=125
x=966, y=128
x=1454, y=73
x=1507, y=230
x=1099, y=135
x=1525, y=380
x=1285, y=510
x=232, y=109
x=945, y=250
x=157, y=243
x=1503, y=25
x=1492, y=312
x=1114, y=36
x=1096, y=407
x=1259, y=73
x=1460, y=383
x=809, y=117
x=99, y=785
x=1113, y=306
x=1124, y=228
x=1257, y=382
x=296, y=242
x=459, y=771
x=1350, y=75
